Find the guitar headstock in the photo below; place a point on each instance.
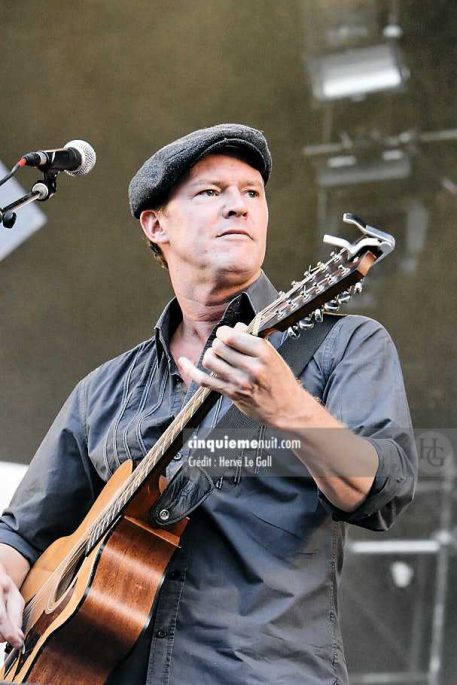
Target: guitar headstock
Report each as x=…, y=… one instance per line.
x=329, y=284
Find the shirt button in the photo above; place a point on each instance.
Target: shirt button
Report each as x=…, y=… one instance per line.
x=178, y=456
x=162, y=633
x=175, y=575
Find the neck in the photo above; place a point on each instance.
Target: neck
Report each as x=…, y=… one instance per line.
x=202, y=305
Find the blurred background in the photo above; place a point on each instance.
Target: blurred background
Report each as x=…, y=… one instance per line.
x=358, y=101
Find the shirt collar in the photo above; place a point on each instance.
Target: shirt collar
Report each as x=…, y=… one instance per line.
x=243, y=306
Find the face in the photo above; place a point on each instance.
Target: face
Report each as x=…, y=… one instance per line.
x=215, y=223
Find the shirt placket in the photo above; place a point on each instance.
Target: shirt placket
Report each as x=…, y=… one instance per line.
x=167, y=606
x=165, y=617
x=178, y=395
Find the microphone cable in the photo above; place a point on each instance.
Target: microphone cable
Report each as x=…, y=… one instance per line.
x=13, y=171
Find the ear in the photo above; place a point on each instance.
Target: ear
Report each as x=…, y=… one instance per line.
x=152, y=223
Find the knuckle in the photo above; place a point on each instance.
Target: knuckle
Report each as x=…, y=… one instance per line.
x=205, y=381
x=5, y=628
x=265, y=350
x=229, y=339
x=225, y=334
x=206, y=357
x=245, y=386
x=255, y=371
x=5, y=636
x=258, y=367
x=232, y=393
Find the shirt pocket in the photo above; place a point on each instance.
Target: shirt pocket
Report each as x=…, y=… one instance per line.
x=280, y=514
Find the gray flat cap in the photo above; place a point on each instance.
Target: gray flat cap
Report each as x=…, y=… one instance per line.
x=154, y=180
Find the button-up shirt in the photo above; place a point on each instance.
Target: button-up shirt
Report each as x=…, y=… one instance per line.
x=251, y=596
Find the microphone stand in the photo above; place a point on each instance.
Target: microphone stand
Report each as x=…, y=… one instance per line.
x=41, y=191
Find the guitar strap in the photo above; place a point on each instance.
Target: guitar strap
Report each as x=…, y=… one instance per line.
x=192, y=484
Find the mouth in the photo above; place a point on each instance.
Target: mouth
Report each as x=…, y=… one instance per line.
x=235, y=232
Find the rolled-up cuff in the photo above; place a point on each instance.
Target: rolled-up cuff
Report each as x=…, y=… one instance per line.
x=17, y=542
x=392, y=490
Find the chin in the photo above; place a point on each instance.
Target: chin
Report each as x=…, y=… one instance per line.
x=240, y=259
x=238, y=270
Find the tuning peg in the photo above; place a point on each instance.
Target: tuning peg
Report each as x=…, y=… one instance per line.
x=357, y=288
x=318, y=315
x=332, y=306
x=293, y=332
x=343, y=270
x=344, y=297
x=306, y=323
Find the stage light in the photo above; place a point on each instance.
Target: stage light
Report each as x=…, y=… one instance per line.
x=354, y=73
x=347, y=170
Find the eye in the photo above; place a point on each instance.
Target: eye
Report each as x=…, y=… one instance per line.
x=253, y=193
x=209, y=192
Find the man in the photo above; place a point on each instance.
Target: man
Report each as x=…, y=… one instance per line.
x=251, y=595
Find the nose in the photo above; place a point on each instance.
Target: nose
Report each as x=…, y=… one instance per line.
x=235, y=203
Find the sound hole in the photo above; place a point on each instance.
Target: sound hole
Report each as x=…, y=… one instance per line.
x=68, y=577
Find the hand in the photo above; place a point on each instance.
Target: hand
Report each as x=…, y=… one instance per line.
x=11, y=609
x=257, y=379
x=252, y=374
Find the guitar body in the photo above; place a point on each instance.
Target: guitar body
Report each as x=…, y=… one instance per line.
x=87, y=617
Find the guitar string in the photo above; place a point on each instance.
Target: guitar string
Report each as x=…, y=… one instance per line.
x=138, y=477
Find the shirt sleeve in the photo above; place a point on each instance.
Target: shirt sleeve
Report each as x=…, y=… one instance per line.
x=58, y=488
x=365, y=391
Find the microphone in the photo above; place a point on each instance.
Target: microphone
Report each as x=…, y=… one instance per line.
x=77, y=158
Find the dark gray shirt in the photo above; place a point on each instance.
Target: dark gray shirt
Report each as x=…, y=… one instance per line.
x=251, y=597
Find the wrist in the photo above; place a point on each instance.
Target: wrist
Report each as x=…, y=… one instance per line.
x=302, y=411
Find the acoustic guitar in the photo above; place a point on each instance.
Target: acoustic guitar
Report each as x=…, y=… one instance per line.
x=90, y=595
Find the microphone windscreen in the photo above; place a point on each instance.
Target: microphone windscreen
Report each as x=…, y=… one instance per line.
x=88, y=157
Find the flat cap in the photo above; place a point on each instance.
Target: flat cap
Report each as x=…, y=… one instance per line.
x=153, y=182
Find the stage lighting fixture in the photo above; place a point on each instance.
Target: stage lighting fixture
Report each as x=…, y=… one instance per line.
x=355, y=73
x=347, y=170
